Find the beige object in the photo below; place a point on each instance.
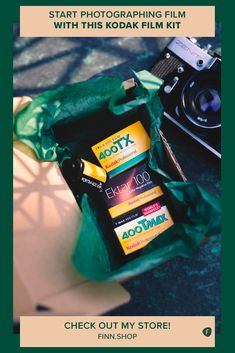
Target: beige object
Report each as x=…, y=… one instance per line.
x=170, y=21
x=46, y=222
x=133, y=331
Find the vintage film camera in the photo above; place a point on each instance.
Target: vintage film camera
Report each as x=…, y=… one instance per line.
x=191, y=91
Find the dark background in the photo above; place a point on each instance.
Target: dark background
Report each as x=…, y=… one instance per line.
x=180, y=286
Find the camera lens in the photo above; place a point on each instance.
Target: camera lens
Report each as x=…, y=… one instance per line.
x=208, y=101
x=200, y=100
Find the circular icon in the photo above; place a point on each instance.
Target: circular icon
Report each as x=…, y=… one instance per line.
x=207, y=331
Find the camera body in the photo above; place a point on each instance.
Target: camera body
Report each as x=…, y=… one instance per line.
x=191, y=93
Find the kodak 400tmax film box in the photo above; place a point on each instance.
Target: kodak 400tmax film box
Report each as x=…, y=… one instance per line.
x=147, y=222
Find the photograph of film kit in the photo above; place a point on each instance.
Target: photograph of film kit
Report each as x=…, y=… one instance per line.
x=121, y=167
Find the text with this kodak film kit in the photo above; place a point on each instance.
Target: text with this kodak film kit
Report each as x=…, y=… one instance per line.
x=132, y=195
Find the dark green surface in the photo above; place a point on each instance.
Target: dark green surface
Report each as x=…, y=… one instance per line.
x=224, y=341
